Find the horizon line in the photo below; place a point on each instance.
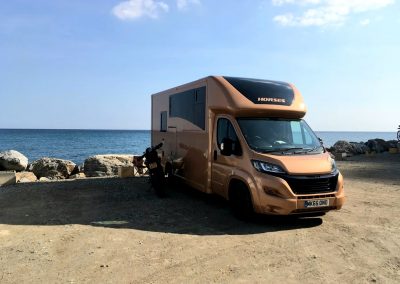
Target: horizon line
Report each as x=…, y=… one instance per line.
x=116, y=129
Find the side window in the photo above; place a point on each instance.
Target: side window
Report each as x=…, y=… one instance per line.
x=221, y=130
x=163, y=121
x=189, y=105
x=225, y=130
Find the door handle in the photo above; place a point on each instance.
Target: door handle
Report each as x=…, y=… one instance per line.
x=215, y=155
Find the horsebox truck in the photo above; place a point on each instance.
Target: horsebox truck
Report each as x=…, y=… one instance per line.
x=245, y=140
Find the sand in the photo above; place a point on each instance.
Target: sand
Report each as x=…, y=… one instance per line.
x=117, y=231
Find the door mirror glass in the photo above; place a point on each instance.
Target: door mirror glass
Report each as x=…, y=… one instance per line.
x=226, y=147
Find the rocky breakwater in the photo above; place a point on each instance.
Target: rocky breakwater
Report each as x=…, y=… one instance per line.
x=106, y=165
x=343, y=148
x=53, y=169
x=14, y=167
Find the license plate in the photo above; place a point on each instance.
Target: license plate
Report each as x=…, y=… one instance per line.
x=153, y=166
x=316, y=203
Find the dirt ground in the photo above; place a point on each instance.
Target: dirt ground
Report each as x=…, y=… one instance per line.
x=117, y=231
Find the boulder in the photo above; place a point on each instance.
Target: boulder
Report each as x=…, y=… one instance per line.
x=76, y=170
x=77, y=176
x=392, y=143
x=44, y=179
x=377, y=145
x=29, y=167
x=342, y=146
x=53, y=168
x=13, y=161
x=26, y=177
x=106, y=165
x=80, y=169
x=359, y=147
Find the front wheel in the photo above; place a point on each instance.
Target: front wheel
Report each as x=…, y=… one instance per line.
x=240, y=202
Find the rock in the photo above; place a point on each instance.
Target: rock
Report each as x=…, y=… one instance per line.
x=53, y=168
x=76, y=170
x=342, y=146
x=80, y=168
x=377, y=145
x=106, y=165
x=392, y=143
x=44, y=179
x=29, y=167
x=359, y=147
x=13, y=161
x=77, y=176
x=26, y=177
x=383, y=144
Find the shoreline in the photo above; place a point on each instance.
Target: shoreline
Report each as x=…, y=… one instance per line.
x=77, y=145
x=127, y=165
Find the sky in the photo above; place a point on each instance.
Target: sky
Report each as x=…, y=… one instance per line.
x=73, y=64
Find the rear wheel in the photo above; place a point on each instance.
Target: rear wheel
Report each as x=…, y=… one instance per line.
x=169, y=174
x=240, y=201
x=158, y=182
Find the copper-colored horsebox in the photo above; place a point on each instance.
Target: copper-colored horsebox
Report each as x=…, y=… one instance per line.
x=245, y=139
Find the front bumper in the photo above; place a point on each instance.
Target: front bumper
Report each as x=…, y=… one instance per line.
x=274, y=196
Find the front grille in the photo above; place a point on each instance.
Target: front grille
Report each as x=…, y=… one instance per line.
x=312, y=184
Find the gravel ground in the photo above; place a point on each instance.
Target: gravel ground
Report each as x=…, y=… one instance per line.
x=117, y=231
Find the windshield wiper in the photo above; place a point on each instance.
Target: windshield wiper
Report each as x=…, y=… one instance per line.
x=283, y=150
x=313, y=149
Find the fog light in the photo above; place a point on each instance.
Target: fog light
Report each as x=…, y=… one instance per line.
x=273, y=192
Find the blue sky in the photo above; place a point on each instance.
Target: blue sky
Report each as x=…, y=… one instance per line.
x=94, y=64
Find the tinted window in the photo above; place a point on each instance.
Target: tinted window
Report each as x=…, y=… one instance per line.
x=225, y=130
x=263, y=91
x=163, y=122
x=189, y=105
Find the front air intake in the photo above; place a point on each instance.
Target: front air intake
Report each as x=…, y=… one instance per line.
x=312, y=184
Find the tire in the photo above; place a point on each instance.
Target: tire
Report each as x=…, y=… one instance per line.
x=170, y=179
x=158, y=183
x=240, y=202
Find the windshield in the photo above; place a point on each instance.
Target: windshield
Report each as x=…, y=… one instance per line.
x=282, y=136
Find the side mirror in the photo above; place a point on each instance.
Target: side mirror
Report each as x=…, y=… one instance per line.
x=322, y=144
x=226, y=147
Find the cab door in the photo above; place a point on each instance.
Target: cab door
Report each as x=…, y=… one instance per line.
x=223, y=165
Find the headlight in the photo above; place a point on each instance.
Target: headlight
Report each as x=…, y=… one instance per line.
x=265, y=167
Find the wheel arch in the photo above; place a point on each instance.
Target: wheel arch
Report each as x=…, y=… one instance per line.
x=236, y=181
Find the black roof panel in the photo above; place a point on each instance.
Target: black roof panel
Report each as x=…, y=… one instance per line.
x=263, y=91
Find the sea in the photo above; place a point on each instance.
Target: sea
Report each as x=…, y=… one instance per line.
x=77, y=145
